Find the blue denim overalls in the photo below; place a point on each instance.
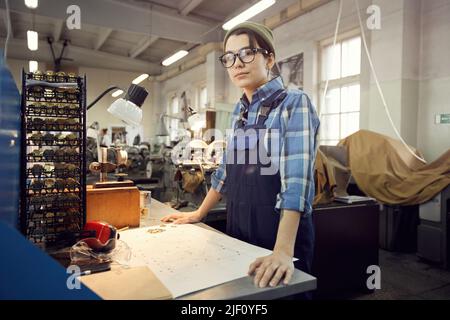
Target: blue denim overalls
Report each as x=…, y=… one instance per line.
x=251, y=196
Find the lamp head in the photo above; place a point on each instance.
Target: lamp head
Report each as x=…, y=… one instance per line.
x=196, y=122
x=129, y=109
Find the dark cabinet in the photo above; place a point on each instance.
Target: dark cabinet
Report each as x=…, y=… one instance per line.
x=346, y=245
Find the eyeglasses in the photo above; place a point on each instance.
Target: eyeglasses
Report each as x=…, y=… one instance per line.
x=246, y=55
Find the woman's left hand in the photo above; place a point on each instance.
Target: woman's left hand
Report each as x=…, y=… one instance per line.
x=270, y=270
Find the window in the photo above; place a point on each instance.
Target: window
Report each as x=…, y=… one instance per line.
x=173, y=123
x=203, y=97
x=341, y=66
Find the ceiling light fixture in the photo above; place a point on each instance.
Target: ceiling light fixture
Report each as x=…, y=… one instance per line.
x=175, y=57
x=32, y=40
x=32, y=4
x=141, y=78
x=33, y=66
x=249, y=13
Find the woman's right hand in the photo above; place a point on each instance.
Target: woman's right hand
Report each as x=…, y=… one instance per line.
x=183, y=217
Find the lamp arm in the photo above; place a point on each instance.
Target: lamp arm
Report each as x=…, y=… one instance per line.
x=102, y=95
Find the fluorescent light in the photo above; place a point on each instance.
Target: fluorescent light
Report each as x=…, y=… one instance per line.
x=174, y=58
x=32, y=40
x=139, y=79
x=117, y=93
x=249, y=13
x=32, y=4
x=33, y=66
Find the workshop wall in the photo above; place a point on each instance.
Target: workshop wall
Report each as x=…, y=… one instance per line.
x=434, y=90
x=304, y=33
x=408, y=55
x=189, y=81
x=391, y=54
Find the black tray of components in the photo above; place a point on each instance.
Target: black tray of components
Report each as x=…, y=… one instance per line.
x=53, y=174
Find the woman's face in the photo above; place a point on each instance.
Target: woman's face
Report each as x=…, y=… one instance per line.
x=249, y=75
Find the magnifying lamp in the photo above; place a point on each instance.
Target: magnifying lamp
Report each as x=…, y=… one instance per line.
x=128, y=109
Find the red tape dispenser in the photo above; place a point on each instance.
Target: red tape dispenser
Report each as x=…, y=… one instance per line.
x=101, y=236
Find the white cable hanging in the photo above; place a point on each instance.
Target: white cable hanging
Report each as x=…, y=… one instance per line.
x=379, y=88
x=8, y=34
x=374, y=76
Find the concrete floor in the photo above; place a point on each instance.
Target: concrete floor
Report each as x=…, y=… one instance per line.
x=406, y=277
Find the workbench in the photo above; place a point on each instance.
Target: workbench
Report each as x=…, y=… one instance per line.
x=346, y=244
x=242, y=288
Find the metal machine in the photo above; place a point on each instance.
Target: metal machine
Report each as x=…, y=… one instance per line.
x=104, y=167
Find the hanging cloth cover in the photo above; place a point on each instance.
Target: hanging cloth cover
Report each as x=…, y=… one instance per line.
x=383, y=169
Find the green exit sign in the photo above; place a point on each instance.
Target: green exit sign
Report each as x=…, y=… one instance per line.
x=443, y=118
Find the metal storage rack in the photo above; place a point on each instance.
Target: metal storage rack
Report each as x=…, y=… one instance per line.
x=53, y=161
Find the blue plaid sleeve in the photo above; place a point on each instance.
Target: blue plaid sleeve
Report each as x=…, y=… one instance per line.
x=219, y=176
x=299, y=122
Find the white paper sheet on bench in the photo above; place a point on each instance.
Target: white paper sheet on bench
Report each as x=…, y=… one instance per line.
x=187, y=258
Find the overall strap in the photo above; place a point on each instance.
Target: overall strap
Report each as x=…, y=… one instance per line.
x=269, y=104
x=240, y=121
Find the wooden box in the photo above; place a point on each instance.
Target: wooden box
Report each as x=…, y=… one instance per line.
x=117, y=206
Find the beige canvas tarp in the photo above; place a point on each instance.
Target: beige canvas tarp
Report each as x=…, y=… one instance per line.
x=384, y=169
x=331, y=174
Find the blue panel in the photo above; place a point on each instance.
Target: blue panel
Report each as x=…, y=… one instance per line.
x=26, y=272
x=9, y=146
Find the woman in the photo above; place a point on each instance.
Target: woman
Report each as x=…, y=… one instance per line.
x=266, y=207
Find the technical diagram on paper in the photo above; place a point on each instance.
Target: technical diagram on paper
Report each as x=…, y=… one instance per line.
x=187, y=258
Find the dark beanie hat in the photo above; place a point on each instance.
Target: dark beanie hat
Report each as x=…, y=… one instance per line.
x=258, y=28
